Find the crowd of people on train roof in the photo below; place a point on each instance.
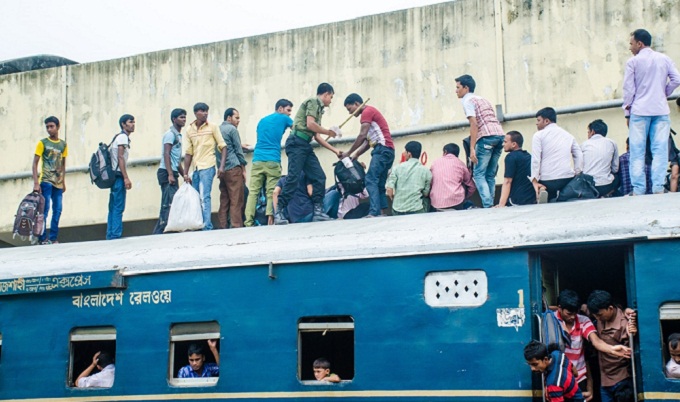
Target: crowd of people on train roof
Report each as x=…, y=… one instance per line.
x=556, y=162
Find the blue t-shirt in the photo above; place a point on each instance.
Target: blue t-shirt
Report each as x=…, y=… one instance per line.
x=208, y=370
x=174, y=138
x=269, y=133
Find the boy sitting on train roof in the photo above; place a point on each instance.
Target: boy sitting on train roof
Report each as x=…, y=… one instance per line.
x=673, y=365
x=322, y=371
x=197, y=367
x=560, y=381
x=104, y=378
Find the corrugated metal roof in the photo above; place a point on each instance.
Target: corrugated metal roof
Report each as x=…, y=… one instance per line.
x=656, y=216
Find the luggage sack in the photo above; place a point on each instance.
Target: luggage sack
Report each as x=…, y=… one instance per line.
x=29, y=222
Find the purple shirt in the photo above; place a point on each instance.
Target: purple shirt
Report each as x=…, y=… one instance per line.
x=649, y=79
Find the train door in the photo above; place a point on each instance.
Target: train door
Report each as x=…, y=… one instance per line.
x=582, y=269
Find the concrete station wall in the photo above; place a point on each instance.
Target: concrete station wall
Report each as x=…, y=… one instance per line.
x=524, y=55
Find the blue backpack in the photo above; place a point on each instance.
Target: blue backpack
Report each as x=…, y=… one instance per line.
x=552, y=331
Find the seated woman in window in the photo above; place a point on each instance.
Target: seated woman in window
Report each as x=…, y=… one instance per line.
x=197, y=367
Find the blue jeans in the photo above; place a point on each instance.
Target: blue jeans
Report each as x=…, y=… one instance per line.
x=607, y=393
x=114, y=224
x=202, y=181
x=331, y=203
x=488, y=150
x=657, y=128
x=52, y=196
x=382, y=158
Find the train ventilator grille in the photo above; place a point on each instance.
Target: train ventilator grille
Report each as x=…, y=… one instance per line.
x=456, y=288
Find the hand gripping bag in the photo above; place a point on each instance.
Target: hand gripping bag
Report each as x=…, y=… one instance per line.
x=185, y=211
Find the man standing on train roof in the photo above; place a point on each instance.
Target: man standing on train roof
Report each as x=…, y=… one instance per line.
x=553, y=150
x=171, y=165
x=580, y=328
x=650, y=77
x=614, y=328
x=197, y=367
x=103, y=362
x=374, y=133
x=486, y=138
x=232, y=184
x=203, y=138
x=120, y=147
x=301, y=157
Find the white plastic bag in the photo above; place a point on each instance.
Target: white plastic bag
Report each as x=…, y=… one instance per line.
x=185, y=211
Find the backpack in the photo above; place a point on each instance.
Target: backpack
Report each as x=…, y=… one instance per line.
x=581, y=187
x=100, y=169
x=30, y=218
x=552, y=331
x=352, y=179
x=261, y=208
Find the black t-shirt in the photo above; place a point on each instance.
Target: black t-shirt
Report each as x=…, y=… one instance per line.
x=518, y=168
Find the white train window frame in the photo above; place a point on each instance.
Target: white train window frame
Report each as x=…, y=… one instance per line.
x=184, y=333
x=83, y=335
x=669, y=316
x=462, y=288
x=324, y=325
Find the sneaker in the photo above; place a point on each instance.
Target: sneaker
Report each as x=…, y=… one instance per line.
x=542, y=196
x=45, y=242
x=319, y=215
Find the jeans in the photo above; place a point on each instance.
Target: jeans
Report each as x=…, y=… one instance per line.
x=231, y=198
x=114, y=223
x=301, y=158
x=202, y=181
x=52, y=196
x=382, y=158
x=608, y=393
x=331, y=203
x=262, y=174
x=657, y=128
x=488, y=150
x=167, y=194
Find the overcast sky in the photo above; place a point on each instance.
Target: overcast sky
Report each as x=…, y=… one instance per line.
x=92, y=30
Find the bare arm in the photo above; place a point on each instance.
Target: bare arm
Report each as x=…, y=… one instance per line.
x=505, y=192
x=326, y=145
x=122, y=167
x=361, y=150
x=36, y=183
x=212, y=343
x=168, y=165
x=473, y=138
x=89, y=369
x=187, y=165
x=361, y=139
x=63, y=175
x=332, y=378
x=604, y=347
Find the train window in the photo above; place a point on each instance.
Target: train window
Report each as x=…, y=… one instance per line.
x=456, y=288
x=84, y=344
x=194, y=354
x=329, y=337
x=669, y=314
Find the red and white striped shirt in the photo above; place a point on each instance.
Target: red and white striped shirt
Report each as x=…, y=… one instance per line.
x=451, y=182
x=582, y=329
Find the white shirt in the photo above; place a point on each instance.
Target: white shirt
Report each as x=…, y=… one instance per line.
x=123, y=140
x=103, y=379
x=552, y=151
x=600, y=159
x=672, y=369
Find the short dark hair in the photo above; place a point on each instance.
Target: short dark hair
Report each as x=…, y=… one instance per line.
x=642, y=35
x=353, y=98
x=599, y=300
x=452, y=149
x=568, y=300
x=323, y=88
x=176, y=113
x=414, y=148
x=282, y=103
x=52, y=119
x=674, y=340
x=467, y=81
x=195, y=348
x=201, y=106
x=104, y=359
x=547, y=113
x=516, y=137
x=124, y=119
x=535, y=350
x=229, y=112
x=321, y=362
x=599, y=127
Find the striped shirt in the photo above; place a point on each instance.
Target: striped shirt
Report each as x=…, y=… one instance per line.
x=560, y=383
x=624, y=175
x=552, y=151
x=410, y=181
x=600, y=159
x=451, y=182
x=480, y=108
x=581, y=331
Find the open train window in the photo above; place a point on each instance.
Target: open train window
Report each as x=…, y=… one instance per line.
x=85, y=342
x=328, y=337
x=669, y=315
x=194, y=354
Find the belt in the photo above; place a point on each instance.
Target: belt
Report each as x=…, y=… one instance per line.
x=302, y=135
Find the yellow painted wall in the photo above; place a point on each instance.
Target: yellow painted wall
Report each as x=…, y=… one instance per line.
x=524, y=55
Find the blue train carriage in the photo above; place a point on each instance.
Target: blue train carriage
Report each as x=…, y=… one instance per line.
x=413, y=308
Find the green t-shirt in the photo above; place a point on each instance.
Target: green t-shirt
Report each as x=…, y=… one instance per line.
x=52, y=155
x=311, y=107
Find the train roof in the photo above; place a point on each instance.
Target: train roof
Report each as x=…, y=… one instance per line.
x=582, y=222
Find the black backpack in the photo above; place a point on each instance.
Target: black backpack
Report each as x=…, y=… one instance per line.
x=101, y=170
x=581, y=187
x=353, y=179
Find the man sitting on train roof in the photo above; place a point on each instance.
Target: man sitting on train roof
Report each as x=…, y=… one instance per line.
x=560, y=381
x=409, y=183
x=104, y=378
x=580, y=328
x=673, y=365
x=322, y=371
x=197, y=367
